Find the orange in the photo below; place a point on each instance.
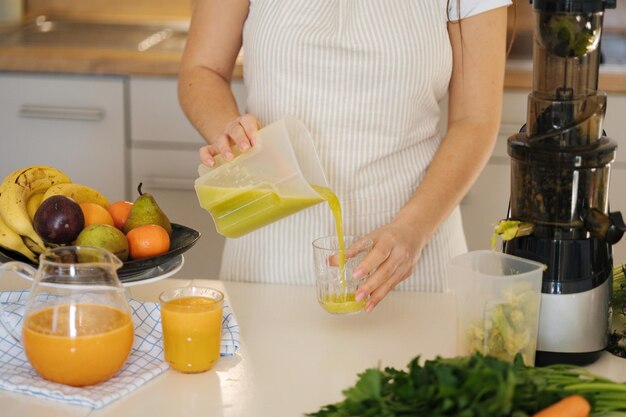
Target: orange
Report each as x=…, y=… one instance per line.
x=147, y=241
x=120, y=211
x=95, y=214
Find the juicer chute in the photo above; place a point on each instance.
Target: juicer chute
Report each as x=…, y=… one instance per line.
x=560, y=172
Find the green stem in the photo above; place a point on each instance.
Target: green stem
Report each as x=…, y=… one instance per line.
x=594, y=387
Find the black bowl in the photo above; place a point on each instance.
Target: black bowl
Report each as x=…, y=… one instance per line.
x=181, y=240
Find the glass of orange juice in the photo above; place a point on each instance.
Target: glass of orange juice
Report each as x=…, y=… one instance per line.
x=191, y=318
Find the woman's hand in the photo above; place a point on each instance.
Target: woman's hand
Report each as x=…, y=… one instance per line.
x=397, y=247
x=239, y=132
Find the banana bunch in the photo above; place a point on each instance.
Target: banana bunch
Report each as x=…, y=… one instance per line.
x=77, y=192
x=16, y=227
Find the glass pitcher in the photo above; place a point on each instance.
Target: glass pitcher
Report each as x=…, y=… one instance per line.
x=77, y=328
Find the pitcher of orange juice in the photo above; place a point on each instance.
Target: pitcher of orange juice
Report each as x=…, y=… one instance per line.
x=77, y=328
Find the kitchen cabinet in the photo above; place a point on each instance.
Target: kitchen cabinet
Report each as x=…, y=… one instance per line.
x=74, y=123
x=164, y=157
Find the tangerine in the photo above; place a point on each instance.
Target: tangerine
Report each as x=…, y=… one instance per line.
x=120, y=210
x=147, y=241
x=96, y=214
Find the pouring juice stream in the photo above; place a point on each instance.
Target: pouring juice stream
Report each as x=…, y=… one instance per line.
x=239, y=211
x=344, y=302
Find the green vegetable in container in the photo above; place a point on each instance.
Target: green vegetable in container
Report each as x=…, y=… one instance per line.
x=568, y=36
x=508, y=328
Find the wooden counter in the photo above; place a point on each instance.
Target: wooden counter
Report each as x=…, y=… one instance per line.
x=93, y=61
x=124, y=62
x=159, y=63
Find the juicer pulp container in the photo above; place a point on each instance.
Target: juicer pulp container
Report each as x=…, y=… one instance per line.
x=272, y=180
x=497, y=299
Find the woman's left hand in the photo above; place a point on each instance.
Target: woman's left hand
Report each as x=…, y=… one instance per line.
x=397, y=247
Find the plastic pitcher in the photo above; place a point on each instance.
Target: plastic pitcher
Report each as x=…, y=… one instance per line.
x=274, y=179
x=497, y=298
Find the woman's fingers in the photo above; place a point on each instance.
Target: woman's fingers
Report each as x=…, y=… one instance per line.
x=399, y=274
x=222, y=143
x=353, y=250
x=250, y=126
x=207, y=155
x=239, y=132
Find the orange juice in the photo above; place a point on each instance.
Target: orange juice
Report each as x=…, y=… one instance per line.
x=192, y=327
x=78, y=345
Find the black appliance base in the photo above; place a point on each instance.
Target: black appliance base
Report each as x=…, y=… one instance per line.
x=580, y=359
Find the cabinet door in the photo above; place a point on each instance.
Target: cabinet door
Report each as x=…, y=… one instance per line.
x=164, y=156
x=486, y=204
x=157, y=118
x=73, y=123
x=169, y=176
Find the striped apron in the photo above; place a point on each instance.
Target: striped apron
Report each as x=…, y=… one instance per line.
x=365, y=77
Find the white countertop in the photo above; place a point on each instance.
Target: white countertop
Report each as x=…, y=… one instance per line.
x=294, y=358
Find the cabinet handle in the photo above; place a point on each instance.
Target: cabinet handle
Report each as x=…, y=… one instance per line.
x=168, y=183
x=61, y=113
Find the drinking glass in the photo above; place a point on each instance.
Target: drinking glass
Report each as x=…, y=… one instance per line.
x=335, y=285
x=191, y=318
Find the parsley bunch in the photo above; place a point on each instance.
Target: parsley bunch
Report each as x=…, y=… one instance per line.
x=472, y=386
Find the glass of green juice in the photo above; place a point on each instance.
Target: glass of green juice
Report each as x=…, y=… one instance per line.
x=334, y=264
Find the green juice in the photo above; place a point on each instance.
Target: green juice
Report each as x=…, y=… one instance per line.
x=237, y=212
x=342, y=303
x=335, y=208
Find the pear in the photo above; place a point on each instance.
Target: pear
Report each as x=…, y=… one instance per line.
x=146, y=211
x=105, y=236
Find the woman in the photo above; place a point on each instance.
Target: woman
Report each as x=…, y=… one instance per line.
x=366, y=77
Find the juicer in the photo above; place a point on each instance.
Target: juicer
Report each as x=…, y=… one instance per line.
x=560, y=170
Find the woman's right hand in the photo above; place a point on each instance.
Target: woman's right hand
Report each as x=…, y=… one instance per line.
x=239, y=132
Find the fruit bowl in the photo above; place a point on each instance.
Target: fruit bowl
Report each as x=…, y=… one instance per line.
x=181, y=240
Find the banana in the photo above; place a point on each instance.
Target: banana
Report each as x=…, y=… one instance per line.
x=33, y=204
x=78, y=192
x=32, y=246
x=16, y=189
x=12, y=241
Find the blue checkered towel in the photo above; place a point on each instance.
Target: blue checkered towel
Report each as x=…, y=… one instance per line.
x=144, y=362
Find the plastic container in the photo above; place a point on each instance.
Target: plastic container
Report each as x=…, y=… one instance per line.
x=498, y=299
x=274, y=179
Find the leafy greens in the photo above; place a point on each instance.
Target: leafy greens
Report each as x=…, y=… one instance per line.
x=472, y=386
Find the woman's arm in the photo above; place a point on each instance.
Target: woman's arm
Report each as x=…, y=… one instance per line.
x=213, y=43
x=475, y=100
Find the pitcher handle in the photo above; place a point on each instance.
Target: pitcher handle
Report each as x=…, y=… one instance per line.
x=24, y=271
